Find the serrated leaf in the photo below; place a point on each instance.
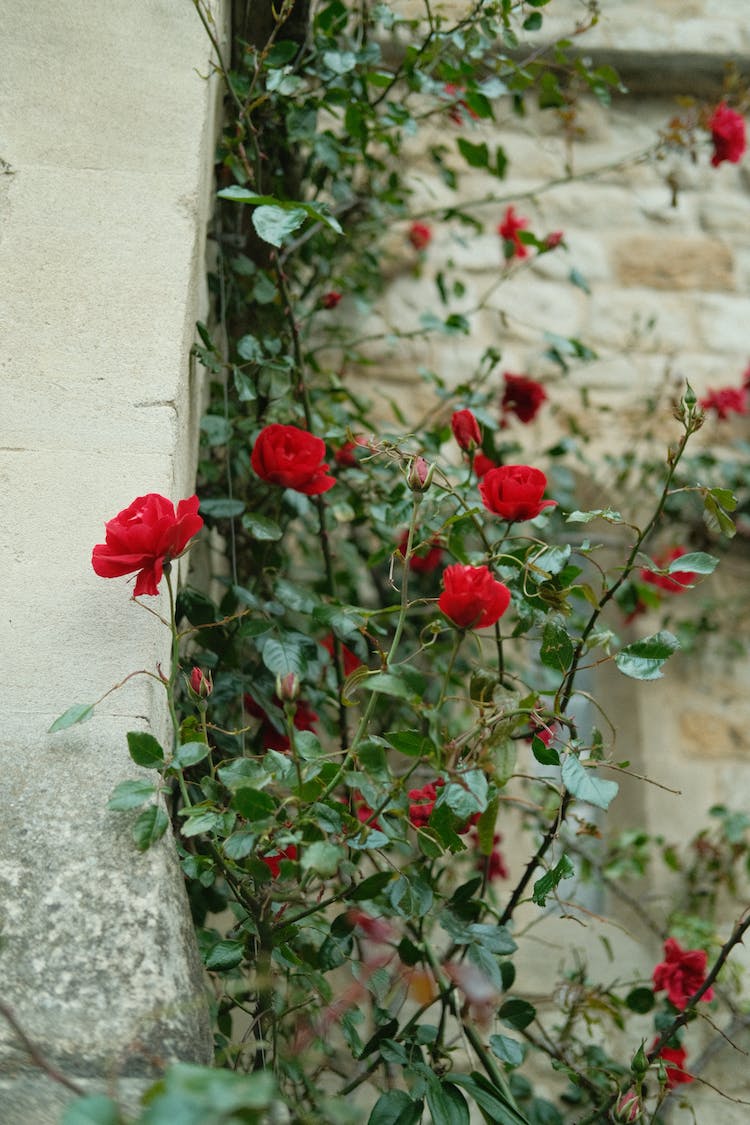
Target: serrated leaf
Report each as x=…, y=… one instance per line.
x=224, y=955
x=78, y=713
x=94, y=1109
x=696, y=561
x=544, y=886
x=261, y=527
x=273, y=223
x=643, y=659
x=508, y=1050
x=586, y=786
x=130, y=795
x=322, y=858
x=557, y=647
x=190, y=753
x=149, y=827
x=145, y=750
x=282, y=657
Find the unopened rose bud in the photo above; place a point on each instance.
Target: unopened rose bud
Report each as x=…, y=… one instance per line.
x=639, y=1063
x=419, y=477
x=201, y=683
x=287, y=687
x=628, y=1108
x=466, y=430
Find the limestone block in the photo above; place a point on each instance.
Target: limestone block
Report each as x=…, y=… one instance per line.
x=726, y=213
x=595, y=207
x=673, y=263
x=724, y=323
x=638, y=319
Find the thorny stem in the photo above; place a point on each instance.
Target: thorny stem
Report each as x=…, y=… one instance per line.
x=565, y=691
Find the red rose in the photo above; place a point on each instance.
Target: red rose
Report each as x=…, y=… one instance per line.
x=144, y=538
x=676, y=1073
x=482, y=464
x=270, y=737
x=728, y=135
x=350, y=659
x=726, y=401
x=273, y=862
x=291, y=457
x=330, y=300
x=674, y=583
x=427, y=558
x=508, y=230
x=681, y=973
x=345, y=456
x=423, y=802
x=420, y=235
x=514, y=492
x=522, y=396
x=466, y=430
x=472, y=598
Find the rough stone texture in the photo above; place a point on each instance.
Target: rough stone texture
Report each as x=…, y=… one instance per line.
x=673, y=263
x=107, y=132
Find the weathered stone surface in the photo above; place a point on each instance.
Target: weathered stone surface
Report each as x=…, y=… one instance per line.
x=673, y=263
x=108, y=131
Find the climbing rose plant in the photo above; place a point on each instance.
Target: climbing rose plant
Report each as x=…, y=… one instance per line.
x=376, y=758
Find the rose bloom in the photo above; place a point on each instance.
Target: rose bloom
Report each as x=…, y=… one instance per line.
x=508, y=230
x=423, y=802
x=728, y=135
x=330, y=300
x=270, y=737
x=291, y=457
x=681, y=973
x=466, y=430
x=726, y=401
x=482, y=464
x=522, y=396
x=346, y=455
x=676, y=1073
x=350, y=659
x=420, y=235
x=273, y=862
x=676, y=582
x=514, y=492
x=472, y=598
x=428, y=558
x=144, y=538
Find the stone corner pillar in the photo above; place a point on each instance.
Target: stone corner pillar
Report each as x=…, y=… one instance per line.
x=108, y=121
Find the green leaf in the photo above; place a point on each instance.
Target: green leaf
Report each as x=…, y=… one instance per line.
x=130, y=795
x=643, y=659
x=495, y=1103
x=273, y=224
x=95, y=1109
x=195, y=1095
x=283, y=657
x=150, y=826
x=322, y=858
x=563, y=869
x=261, y=527
x=190, y=753
x=224, y=955
x=533, y=21
x=476, y=156
x=517, y=1013
x=447, y=1104
x=411, y=742
x=239, y=845
x=545, y=755
x=596, y=513
x=508, y=1050
x=557, y=647
x=640, y=1000
x=145, y=750
x=78, y=713
x=387, y=684
x=371, y=887
x=586, y=786
x=395, y=1108
x=697, y=561
x=222, y=508
x=575, y=277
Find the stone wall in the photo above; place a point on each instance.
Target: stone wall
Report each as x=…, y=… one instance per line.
x=107, y=127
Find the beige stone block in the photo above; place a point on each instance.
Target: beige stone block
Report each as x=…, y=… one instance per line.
x=710, y=735
x=641, y=320
x=595, y=206
x=724, y=323
x=726, y=213
x=673, y=263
